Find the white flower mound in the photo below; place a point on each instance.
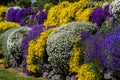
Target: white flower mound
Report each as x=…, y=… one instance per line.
x=14, y=40
x=59, y=43
x=115, y=8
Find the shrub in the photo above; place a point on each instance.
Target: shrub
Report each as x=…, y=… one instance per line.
x=24, y=3
x=59, y=43
x=90, y=71
x=101, y=15
x=64, y=12
x=32, y=35
x=7, y=25
x=115, y=8
x=1, y=63
x=36, y=52
x=13, y=43
x=103, y=48
x=11, y=13
x=76, y=57
x=3, y=10
x=4, y=46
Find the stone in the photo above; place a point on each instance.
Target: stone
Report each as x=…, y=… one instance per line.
x=108, y=75
x=51, y=73
x=45, y=74
x=56, y=77
x=68, y=78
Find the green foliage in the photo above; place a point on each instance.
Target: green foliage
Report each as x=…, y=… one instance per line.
x=59, y=45
x=11, y=4
x=6, y=74
x=24, y=3
x=40, y=3
x=11, y=45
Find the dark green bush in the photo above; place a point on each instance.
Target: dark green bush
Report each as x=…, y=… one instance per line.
x=24, y=3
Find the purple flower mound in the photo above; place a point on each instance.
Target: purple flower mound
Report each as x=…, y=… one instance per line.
x=11, y=14
x=41, y=17
x=32, y=35
x=85, y=35
x=99, y=15
x=104, y=48
x=111, y=46
x=22, y=15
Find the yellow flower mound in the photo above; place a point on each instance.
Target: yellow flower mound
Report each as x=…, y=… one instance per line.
x=84, y=16
x=64, y=12
x=3, y=10
x=36, y=51
x=76, y=57
x=7, y=25
x=1, y=63
x=89, y=71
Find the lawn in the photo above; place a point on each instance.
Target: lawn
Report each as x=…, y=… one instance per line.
x=6, y=74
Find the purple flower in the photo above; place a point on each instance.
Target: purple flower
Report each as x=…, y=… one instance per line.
x=85, y=35
x=11, y=14
x=32, y=35
x=104, y=48
x=41, y=17
x=98, y=16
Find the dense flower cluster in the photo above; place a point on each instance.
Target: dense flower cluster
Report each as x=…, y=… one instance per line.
x=7, y=25
x=76, y=57
x=99, y=15
x=11, y=14
x=1, y=63
x=36, y=52
x=3, y=10
x=32, y=35
x=115, y=8
x=90, y=71
x=27, y=16
x=59, y=45
x=65, y=12
x=103, y=48
x=13, y=41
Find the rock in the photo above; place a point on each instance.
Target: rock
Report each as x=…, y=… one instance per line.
x=48, y=66
x=45, y=74
x=74, y=77
x=56, y=77
x=67, y=78
x=108, y=75
x=51, y=73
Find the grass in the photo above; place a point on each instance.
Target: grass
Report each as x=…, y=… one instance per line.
x=6, y=74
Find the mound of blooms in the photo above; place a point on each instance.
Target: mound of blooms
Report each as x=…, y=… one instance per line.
x=36, y=52
x=90, y=71
x=32, y=35
x=11, y=13
x=3, y=10
x=59, y=45
x=102, y=14
x=65, y=12
x=7, y=25
x=27, y=16
x=115, y=8
x=76, y=57
x=13, y=42
x=103, y=48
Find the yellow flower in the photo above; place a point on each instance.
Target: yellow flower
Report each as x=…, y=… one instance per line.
x=3, y=10
x=7, y=25
x=76, y=57
x=36, y=51
x=1, y=63
x=89, y=71
x=64, y=12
